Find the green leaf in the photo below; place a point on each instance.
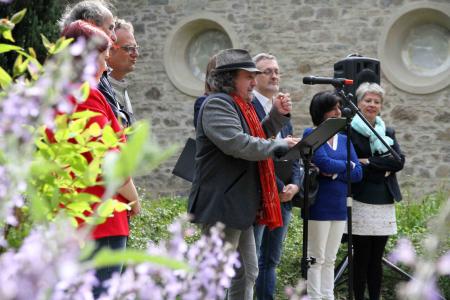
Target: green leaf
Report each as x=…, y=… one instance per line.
x=85, y=90
x=7, y=35
x=109, y=257
x=77, y=126
x=106, y=208
x=85, y=114
x=93, y=130
x=5, y=79
x=109, y=136
x=7, y=47
x=20, y=66
x=47, y=44
x=132, y=151
x=31, y=58
x=32, y=52
x=79, y=207
x=18, y=16
x=61, y=44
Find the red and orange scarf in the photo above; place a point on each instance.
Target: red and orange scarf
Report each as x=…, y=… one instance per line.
x=270, y=214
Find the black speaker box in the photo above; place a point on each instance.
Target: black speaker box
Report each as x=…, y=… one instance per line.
x=359, y=69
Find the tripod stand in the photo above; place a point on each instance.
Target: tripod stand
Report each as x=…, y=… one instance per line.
x=340, y=272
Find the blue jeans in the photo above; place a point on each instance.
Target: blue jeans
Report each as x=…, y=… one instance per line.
x=269, y=244
x=105, y=273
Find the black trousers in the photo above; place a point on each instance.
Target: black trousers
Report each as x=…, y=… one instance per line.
x=367, y=258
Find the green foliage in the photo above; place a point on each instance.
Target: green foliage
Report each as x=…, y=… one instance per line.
x=16, y=61
x=152, y=223
x=16, y=234
x=41, y=17
x=412, y=218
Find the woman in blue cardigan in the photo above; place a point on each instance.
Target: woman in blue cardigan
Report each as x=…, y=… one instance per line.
x=328, y=214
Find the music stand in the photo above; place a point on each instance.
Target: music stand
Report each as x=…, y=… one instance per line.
x=304, y=150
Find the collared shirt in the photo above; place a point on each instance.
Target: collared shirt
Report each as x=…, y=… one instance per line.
x=266, y=103
x=107, y=90
x=120, y=89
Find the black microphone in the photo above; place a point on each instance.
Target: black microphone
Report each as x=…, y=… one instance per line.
x=327, y=80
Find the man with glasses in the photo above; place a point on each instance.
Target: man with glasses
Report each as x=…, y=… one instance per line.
x=269, y=243
x=122, y=59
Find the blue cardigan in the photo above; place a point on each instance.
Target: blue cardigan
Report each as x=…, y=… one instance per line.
x=330, y=204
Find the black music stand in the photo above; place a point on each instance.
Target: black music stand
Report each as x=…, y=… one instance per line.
x=304, y=150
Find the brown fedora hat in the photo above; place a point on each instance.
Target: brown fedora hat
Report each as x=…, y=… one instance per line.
x=235, y=59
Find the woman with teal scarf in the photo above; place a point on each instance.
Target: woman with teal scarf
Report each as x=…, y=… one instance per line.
x=373, y=208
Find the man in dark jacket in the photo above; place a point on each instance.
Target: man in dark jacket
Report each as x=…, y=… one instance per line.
x=233, y=165
x=269, y=243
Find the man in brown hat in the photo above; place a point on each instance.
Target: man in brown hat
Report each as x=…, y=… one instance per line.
x=234, y=180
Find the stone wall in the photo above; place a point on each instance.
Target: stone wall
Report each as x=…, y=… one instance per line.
x=308, y=37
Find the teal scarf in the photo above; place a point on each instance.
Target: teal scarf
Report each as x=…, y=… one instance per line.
x=375, y=144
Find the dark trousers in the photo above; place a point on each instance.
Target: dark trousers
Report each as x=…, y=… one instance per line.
x=103, y=274
x=367, y=258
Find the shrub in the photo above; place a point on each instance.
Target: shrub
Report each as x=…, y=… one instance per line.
x=412, y=218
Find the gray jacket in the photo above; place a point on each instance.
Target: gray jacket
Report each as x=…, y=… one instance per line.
x=226, y=186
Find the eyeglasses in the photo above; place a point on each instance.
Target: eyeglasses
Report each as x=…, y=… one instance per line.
x=130, y=49
x=269, y=72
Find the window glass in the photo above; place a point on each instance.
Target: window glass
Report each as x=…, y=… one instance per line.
x=202, y=47
x=426, y=50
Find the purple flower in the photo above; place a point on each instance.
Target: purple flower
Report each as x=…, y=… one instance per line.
x=443, y=264
x=46, y=266
x=78, y=47
x=211, y=267
x=404, y=252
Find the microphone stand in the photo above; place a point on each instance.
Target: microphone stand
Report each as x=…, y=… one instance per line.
x=348, y=111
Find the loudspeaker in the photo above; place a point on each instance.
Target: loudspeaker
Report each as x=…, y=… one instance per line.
x=358, y=68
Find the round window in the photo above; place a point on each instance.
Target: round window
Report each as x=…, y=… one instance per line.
x=426, y=49
x=414, y=48
x=190, y=45
x=202, y=47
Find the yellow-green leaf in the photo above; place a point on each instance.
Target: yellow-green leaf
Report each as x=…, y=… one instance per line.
x=5, y=79
x=85, y=89
x=85, y=114
x=79, y=207
x=61, y=44
x=18, y=16
x=7, y=35
x=47, y=44
x=20, y=66
x=109, y=257
x=94, y=130
x=7, y=47
x=32, y=52
x=109, y=136
x=106, y=208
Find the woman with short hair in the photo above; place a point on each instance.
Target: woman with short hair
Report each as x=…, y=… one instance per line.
x=328, y=214
x=373, y=209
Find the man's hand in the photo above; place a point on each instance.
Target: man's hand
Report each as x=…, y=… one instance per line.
x=283, y=103
x=135, y=208
x=292, y=141
x=288, y=192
